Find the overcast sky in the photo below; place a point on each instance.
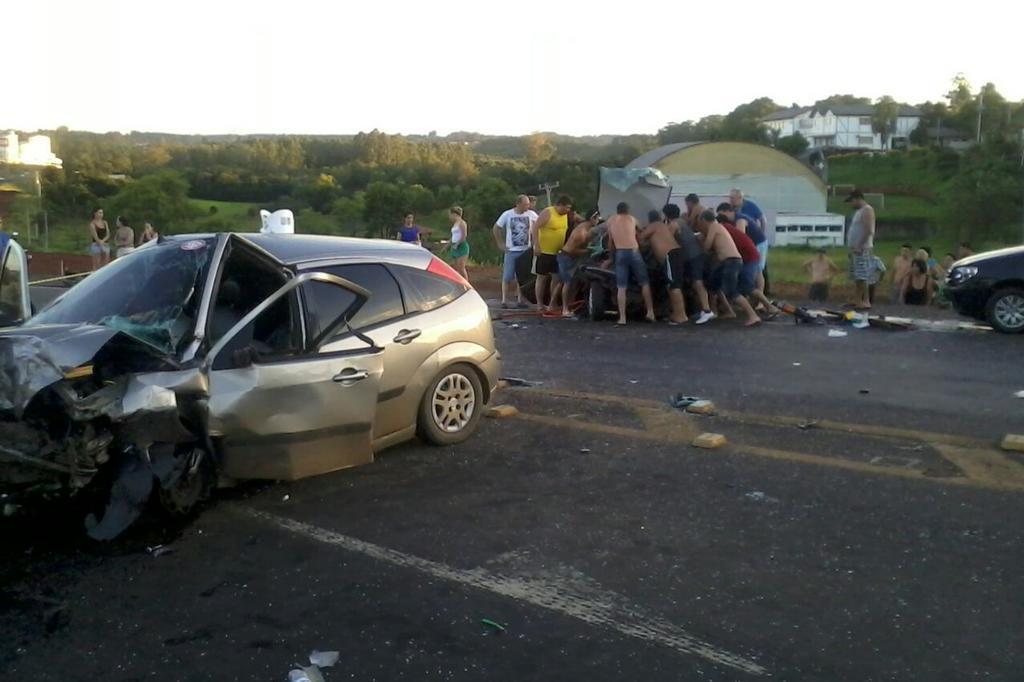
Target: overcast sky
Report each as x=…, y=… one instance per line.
x=587, y=67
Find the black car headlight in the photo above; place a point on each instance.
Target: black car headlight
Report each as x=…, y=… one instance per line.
x=962, y=274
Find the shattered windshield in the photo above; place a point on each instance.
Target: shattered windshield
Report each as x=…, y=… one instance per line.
x=152, y=295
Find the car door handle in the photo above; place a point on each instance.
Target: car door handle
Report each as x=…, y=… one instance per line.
x=407, y=335
x=346, y=376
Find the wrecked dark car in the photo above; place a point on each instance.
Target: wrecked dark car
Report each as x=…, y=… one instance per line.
x=200, y=360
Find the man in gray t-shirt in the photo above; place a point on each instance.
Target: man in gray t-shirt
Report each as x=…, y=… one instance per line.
x=861, y=241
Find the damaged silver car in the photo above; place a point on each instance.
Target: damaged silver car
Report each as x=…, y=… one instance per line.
x=201, y=360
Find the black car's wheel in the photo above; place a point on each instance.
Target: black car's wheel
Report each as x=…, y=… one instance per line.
x=451, y=407
x=597, y=302
x=1005, y=311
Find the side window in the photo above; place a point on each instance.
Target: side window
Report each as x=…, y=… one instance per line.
x=324, y=304
x=275, y=334
x=385, y=301
x=425, y=291
x=246, y=281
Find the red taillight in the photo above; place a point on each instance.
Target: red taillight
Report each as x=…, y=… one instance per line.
x=441, y=269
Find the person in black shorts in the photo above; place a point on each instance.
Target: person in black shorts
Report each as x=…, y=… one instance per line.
x=694, y=259
x=660, y=234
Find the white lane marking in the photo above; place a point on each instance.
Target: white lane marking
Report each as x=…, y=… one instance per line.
x=571, y=597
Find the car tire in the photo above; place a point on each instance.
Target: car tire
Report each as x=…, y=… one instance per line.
x=451, y=406
x=597, y=302
x=1005, y=310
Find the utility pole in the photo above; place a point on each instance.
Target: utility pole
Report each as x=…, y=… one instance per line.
x=981, y=107
x=546, y=188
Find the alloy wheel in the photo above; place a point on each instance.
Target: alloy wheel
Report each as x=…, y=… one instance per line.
x=453, y=403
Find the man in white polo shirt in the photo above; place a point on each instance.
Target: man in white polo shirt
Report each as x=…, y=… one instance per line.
x=512, y=235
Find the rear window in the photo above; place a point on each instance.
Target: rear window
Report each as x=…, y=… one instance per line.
x=425, y=291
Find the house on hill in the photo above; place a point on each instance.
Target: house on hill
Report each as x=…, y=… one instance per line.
x=843, y=126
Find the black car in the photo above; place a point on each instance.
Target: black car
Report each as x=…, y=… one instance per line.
x=990, y=286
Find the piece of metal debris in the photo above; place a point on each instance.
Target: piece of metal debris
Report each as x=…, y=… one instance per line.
x=324, y=659
x=810, y=424
x=493, y=624
x=516, y=381
x=584, y=451
x=305, y=674
x=160, y=550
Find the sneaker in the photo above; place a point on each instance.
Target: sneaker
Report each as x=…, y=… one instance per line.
x=705, y=317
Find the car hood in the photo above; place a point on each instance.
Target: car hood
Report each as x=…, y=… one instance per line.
x=33, y=358
x=991, y=255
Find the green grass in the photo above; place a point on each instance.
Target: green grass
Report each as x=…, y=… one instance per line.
x=785, y=263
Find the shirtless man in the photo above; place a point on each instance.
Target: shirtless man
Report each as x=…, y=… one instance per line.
x=822, y=270
x=661, y=235
x=726, y=276
x=901, y=265
x=625, y=250
x=569, y=257
x=693, y=210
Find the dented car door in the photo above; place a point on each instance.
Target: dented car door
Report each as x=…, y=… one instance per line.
x=281, y=409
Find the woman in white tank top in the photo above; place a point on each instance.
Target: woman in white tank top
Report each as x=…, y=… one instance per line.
x=460, y=241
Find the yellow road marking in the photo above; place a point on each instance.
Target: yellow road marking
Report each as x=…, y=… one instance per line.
x=983, y=466
x=931, y=437
x=991, y=467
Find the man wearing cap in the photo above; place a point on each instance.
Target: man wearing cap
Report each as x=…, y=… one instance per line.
x=861, y=241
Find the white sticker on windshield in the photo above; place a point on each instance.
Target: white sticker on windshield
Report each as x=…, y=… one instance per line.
x=193, y=245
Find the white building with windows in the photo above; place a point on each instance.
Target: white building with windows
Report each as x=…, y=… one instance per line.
x=35, y=151
x=843, y=126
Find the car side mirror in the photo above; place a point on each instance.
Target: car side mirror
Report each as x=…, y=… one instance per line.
x=242, y=358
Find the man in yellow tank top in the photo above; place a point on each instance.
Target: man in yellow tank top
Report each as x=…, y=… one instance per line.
x=548, y=237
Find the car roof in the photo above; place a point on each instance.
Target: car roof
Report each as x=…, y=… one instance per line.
x=293, y=249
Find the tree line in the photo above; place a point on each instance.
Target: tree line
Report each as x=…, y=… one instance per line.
x=362, y=184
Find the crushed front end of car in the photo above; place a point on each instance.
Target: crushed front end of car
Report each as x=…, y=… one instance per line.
x=87, y=406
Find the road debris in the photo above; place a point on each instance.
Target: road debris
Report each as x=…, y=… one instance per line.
x=285, y=498
x=1013, y=442
x=584, y=451
x=796, y=364
x=758, y=496
x=498, y=627
x=516, y=381
x=701, y=407
x=836, y=333
x=305, y=674
x=807, y=425
x=681, y=402
x=324, y=659
x=1019, y=394
x=709, y=441
x=865, y=391
x=160, y=550
x=501, y=411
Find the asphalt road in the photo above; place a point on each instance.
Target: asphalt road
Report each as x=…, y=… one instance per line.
x=881, y=541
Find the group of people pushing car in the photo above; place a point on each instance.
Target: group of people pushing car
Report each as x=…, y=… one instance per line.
x=719, y=254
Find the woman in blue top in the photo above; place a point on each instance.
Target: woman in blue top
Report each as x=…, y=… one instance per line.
x=410, y=232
